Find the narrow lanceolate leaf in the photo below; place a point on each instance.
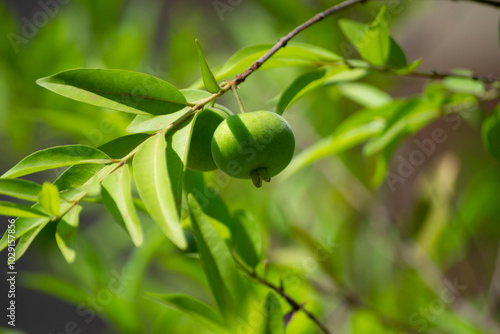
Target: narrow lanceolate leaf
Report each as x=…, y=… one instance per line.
x=351, y=132
x=66, y=233
x=21, y=189
x=79, y=175
x=155, y=187
x=25, y=241
x=273, y=315
x=59, y=156
x=365, y=94
x=49, y=199
x=126, y=91
x=27, y=229
x=151, y=124
x=312, y=80
x=188, y=305
x=117, y=196
x=247, y=238
x=298, y=85
x=226, y=284
x=19, y=210
x=23, y=226
x=207, y=75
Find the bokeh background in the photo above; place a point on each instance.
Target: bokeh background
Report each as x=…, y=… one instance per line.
x=396, y=248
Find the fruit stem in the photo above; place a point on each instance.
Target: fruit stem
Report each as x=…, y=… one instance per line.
x=240, y=104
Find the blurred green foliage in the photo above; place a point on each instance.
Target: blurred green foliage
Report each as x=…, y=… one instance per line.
x=365, y=254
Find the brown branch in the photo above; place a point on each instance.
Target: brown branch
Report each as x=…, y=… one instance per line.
x=281, y=291
x=282, y=42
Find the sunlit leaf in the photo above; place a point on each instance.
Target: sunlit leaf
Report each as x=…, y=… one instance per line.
x=19, y=188
x=207, y=75
x=298, y=85
x=59, y=156
x=66, y=233
x=49, y=199
x=375, y=44
x=78, y=175
x=226, y=284
x=294, y=54
x=126, y=91
x=159, y=167
x=19, y=210
x=27, y=238
x=312, y=80
x=117, y=196
x=22, y=226
x=364, y=94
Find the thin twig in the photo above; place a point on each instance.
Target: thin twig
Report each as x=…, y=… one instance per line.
x=281, y=291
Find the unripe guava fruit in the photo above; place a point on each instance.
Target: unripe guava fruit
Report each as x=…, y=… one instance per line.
x=256, y=145
x=200, y=155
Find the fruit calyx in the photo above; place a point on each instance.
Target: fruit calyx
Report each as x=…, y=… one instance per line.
x=258, y=175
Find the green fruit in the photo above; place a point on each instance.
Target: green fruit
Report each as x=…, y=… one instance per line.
x=200, y=155
x=256, y=145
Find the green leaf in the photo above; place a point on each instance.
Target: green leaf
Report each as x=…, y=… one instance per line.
x=161, y=188
x=188, y=305
x=407, y=116
x=27, y=238
x=351, y=132
x=464, y=85
x=408, y=69
x=66, y=233
x=397, y=57
x=19, y=210
x=144, y=123
x=226, y=284
x=353, y=30
x=297, y=86
x=364, y=94
x=273, y=315
x=375, y=44
x=247, y=238
x=207, y=75
x=373, y=41
x=312, y=80
x=149, y=124
x=490, y=132
x=22, y=226
x=126, y=91
x=49, y=199
x=28, y=228
x=78, y=175
x=59, y=156
x=117, y=196
x=21, y=189
x=294, y=54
